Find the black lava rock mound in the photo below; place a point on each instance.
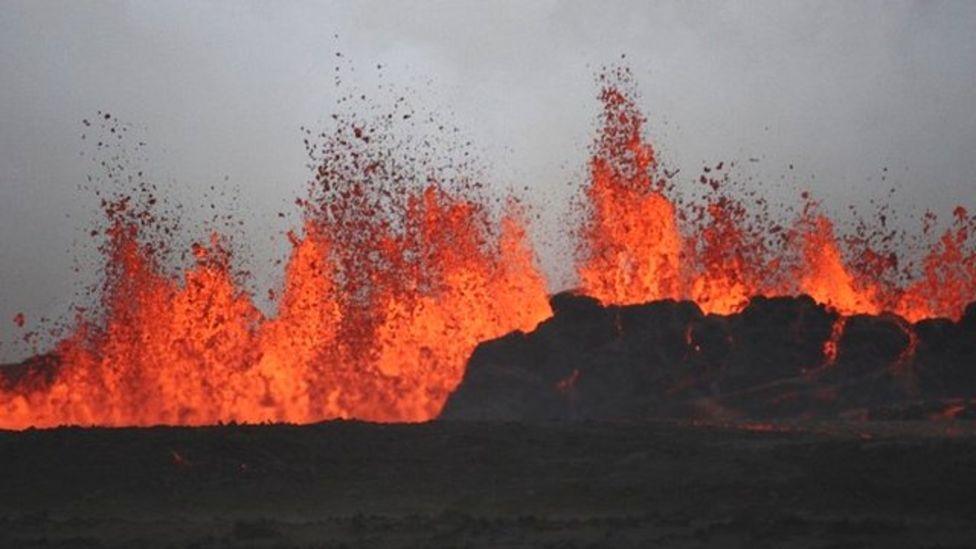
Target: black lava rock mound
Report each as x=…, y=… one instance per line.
x=779, y=358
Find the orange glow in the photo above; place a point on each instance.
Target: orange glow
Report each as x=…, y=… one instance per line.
x=199, y=352
x=823, y=275
x=832, y=345
x=390, y=285
x=727, y=276
x=636, y=248
x=637, y=245
x=949, y=275
x=633, y=243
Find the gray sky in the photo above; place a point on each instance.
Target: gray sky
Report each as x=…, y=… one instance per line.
x=219, y=89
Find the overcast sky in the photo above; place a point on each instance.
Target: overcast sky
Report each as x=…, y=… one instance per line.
x=218, y=90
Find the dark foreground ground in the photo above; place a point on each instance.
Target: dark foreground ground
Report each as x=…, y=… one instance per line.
x=349, y=484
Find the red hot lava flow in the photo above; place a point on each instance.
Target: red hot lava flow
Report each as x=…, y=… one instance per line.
x=389, y=288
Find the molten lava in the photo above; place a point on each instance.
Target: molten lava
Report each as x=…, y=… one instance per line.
x=391, y=284
x=638, y=245
x=379, y=332
x=634, y=244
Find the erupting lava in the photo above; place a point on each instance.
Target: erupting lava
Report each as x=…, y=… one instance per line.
x=635, y=247
x=386, y=293
x=391, y=285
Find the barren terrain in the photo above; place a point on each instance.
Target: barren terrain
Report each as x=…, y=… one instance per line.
x=583, y=484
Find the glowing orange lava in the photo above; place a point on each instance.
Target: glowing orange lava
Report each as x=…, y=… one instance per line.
x=391, y=284
x=635, y=247
x=197, y=351
x=638, y=245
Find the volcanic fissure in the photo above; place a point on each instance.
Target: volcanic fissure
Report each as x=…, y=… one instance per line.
x=392, y=285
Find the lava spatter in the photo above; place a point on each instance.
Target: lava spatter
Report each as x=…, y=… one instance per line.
x=396, y=276
x=641, y=242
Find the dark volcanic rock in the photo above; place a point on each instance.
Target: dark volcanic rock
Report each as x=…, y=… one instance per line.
x=945, y=358
x=668, y=359
x=775, y=338
x=968, y=321
x=586, y=361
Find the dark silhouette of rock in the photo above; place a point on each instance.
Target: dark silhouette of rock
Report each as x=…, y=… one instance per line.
x=969, y=318
x=668, y=359
x=945, y=361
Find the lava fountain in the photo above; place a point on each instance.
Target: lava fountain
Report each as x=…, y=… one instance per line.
x=398, y=272
x=389, y=287
x=639, y=244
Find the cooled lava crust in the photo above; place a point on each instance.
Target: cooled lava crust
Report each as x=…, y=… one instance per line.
x=779, y=358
